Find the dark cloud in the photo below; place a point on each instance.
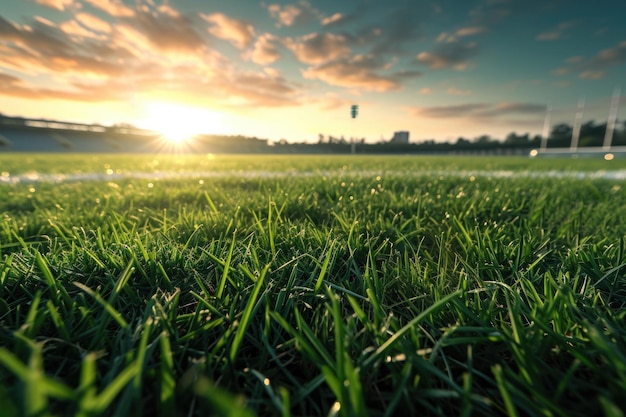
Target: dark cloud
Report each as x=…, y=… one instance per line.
x=449, y=55
x=398, y=24
x=457, y=110
x=480, y=110
x=317, y=48
x=401, y=26
x=495, y=12
x=168, y=32
x=362, y=72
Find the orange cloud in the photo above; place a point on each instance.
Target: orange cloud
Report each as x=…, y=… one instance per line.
x=265, y=50
x=114, y=8
x=56, y=4
x=93, y=22
x=238, y=32
x=332, y=19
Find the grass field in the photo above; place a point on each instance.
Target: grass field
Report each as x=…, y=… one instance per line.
x=304, y=286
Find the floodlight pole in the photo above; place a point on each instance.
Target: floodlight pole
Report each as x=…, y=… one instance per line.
x=354, y=110
x=610, y=124
x=546, y=129
x=577, y=122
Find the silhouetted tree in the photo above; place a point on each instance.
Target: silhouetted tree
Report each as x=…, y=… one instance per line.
x=561, y=136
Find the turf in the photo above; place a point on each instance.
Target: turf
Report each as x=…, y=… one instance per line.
x=299, y=286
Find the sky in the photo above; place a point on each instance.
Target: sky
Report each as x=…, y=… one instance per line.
x=440, y=69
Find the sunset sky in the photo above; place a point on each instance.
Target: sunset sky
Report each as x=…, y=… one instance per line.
x=439, y=69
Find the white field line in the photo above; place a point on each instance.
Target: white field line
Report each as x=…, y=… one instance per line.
x=34, y=177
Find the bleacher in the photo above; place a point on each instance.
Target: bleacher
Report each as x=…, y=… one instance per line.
x=30, y=141
x=47, y=140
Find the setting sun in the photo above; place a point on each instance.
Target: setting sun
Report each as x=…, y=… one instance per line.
x=178, y=123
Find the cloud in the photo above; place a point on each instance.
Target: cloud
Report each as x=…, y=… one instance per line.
x=556, y=33
x=167, y=32
x=93, y=23
x=480, y=110
x=561, y=71
x=609, y=57
x=253, y=89
x=292, y=14
x=56, y=4
x=592, y=75
x=265, y=50
x=597, y=67
x=114, y=8
x=99, y=66
x=470, y=31
x=426, y=90
x=264, y=82
x=43, y=47
x=360, y=72
x=458, y=92
x=333, y=101
x=400, y=26
x=449, y=55
x=317, y=48
x=239, y=32
x=574, y=59
x=491, y=13
x=13, y=86
x=516, y=108
x=72, y=28
x=332, y=19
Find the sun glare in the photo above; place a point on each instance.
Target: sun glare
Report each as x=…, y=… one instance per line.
x=178, y=123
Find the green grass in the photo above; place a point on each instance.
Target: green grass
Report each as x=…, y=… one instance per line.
x=374, y=286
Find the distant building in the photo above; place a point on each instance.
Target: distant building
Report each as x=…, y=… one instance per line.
x=400, y=138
